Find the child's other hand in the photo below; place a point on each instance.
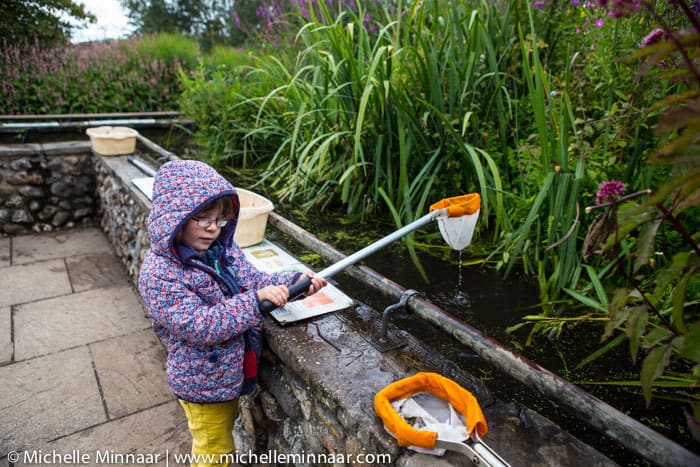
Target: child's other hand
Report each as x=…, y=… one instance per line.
x=277, y=294
x=317, y=283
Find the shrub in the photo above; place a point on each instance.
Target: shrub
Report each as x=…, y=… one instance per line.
x=111, y=76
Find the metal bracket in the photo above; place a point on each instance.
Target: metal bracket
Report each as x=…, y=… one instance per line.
x=383, y=341
x=401, y=304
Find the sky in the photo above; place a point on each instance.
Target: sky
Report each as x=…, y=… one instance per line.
x=112, y=22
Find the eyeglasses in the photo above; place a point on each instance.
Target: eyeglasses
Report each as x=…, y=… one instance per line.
x=205, y=222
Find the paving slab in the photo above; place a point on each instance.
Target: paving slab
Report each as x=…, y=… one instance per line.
x=5, y=252
x=30, y=248
x=36, y=281
x=48, y=397
x=131, y=370
x=5, y=335
x=96, y=270
x=160, y=431
x=51, y=325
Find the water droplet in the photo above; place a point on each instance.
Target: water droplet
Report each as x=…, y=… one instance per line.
x=459, y=272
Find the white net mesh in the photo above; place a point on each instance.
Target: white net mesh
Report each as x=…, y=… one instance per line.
x=457, y=231
x=426, y=411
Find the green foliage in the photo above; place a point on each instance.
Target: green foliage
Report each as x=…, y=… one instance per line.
x=46, y=21
x=360, y=117
x=215, y=96
x=83, y=78
x=225, y=57
x=552, y=220
x=169, y=48
x=656, y=306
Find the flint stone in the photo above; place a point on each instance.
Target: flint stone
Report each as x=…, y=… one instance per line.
x=31, y=191
x=82, y=212
x=15, y=201
x=34, y=205
x=60, y=218
x=22, y=216
x=13, y=229
x=48, y=212
x=20, y=164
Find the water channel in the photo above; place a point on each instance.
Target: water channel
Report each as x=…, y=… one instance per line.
x=484, y=300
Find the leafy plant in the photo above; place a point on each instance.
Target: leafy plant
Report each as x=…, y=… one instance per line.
x=656, y=304
x=114, y=76
x=169, y=48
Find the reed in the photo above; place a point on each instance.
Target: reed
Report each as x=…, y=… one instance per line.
x=376, y=110
x=545, y=243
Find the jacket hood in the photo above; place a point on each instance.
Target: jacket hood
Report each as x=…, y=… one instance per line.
x=180, y=189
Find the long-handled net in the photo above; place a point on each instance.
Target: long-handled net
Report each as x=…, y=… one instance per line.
x=456, y=217
x=429, y=413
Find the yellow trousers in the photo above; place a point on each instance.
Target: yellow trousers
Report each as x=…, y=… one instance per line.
x=211, y=426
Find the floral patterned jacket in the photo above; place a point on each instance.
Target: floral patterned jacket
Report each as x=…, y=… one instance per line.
x=193, y=311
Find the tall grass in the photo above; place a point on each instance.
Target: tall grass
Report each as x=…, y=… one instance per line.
x=546, y=243
x=384, y=113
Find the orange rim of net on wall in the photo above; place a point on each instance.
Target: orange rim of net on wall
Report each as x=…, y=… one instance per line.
x=462, y=400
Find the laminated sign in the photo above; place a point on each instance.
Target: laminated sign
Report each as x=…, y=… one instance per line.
x=268, y=257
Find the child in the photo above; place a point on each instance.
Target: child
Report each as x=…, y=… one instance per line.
x=202, y=295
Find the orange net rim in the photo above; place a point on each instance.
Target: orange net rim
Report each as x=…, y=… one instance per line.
x=462, y=400
x=458, y=206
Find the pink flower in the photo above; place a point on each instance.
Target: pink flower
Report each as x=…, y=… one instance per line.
x=653, y=37
x=609, y=191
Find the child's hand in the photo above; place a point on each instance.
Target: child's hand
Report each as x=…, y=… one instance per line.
x=277, y=294
x=317, y=283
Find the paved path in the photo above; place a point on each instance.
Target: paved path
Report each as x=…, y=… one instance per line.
x=82, y=376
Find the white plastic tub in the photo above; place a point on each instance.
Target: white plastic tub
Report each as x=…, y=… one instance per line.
x=252, y=218
x=112, y=140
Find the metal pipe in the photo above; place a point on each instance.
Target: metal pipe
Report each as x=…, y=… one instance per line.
x=82, y=116
x=381, y=243
x=164, y=154
x=14, y=127
x=627, y=431
x=142, y=166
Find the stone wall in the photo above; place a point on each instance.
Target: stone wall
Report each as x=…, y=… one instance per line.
x=123, y=211
x=314, y=403
x=46, y=186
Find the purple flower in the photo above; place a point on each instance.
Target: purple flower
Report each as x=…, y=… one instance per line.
x=537, y=4
x=575, y=3
x=609, y=191
x=653, y=37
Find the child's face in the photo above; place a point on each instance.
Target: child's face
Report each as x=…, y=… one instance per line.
x=198, y=237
